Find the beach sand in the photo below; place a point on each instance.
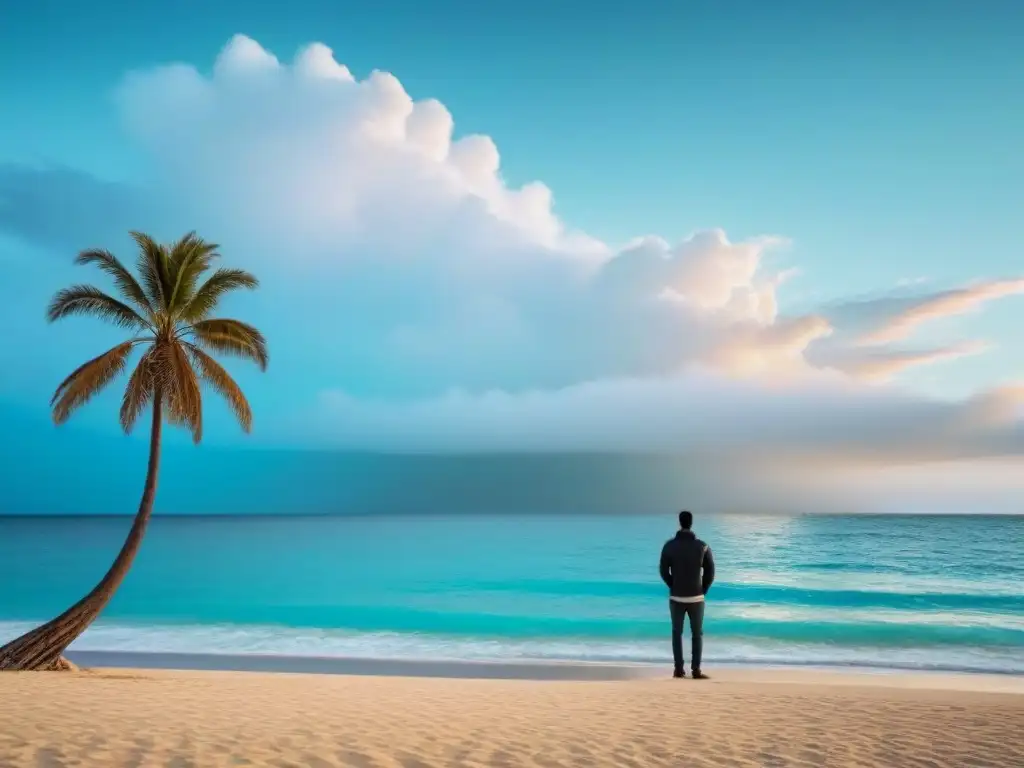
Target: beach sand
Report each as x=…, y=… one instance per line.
x=740, y=718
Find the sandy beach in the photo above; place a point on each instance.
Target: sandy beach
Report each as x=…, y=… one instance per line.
x=740, y=718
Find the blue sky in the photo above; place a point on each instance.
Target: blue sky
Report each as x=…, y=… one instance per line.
x=881, y=139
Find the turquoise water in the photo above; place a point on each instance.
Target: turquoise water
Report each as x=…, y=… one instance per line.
x=930, y=592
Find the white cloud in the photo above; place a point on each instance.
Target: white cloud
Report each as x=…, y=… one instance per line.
x=900, y=319
x=479, y=282
x=880, y=363
x=896, y=317
x=825, y=416
x=307, y=149
x=869, y=329
x=405, y=268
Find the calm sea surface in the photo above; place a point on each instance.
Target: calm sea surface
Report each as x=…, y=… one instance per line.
x=901, y=591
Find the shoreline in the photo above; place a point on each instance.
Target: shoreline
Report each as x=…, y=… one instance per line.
x=537, y=670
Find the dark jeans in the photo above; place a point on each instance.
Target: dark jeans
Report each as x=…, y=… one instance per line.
x=679, y=612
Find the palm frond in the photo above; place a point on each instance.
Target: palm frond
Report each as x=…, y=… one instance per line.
x=189, y=258
x=205, y=299
x=168, y=302
x=89, y=300
x=214, y=374
x=88, y=379
x=140, y=390
x=181, y=390
x=154, y=270
x=123, y=279
x=232, y=337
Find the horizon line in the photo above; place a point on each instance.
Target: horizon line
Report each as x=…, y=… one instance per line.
x=527, y=513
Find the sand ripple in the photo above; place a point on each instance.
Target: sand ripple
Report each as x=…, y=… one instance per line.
x=179, y=720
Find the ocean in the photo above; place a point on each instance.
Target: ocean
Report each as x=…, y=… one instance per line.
x=898, y=592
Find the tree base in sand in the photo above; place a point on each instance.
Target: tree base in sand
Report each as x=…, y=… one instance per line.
x=63, y=665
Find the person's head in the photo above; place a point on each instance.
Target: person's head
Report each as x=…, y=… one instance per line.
x=685, y=520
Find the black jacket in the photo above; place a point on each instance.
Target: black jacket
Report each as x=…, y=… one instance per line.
x=687, y=567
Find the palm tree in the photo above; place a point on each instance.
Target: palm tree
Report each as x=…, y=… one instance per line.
x=168, y=313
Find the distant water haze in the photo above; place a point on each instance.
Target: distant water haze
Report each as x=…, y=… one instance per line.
x=75, y=471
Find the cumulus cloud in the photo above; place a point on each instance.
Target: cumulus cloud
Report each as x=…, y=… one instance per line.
x=436, y=306
x=377, y=186
x=443, y=269
x=308, y=149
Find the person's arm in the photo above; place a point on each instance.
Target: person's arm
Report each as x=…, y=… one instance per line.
x=709, y=571
x=666, y=567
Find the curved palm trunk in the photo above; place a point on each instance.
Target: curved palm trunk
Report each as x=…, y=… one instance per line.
x=42, y=647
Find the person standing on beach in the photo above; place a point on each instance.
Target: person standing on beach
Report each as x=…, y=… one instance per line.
x=688, y=570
